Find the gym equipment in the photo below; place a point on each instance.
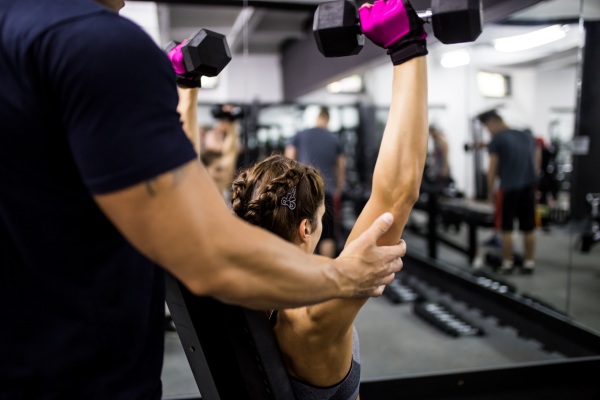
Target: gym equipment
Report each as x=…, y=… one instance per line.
x=474, y=146
x=233, y=354
x=398, y=292
x=232, y=350
x=447, y=320
x=220, y=111
x=205, y=53
x=532, y=323
x=492, y=282
x=337, y=30
x=452, y=212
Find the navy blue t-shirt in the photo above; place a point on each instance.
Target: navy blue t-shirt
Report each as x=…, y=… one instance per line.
x=516, y=158
x=319, y=148
x=87, y=106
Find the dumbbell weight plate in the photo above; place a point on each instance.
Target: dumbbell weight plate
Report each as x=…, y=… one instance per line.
x=336, y=30
x=456, y=21
x=206, y=52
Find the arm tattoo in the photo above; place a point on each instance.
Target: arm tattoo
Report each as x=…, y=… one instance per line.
x=150, y=186
x=176, y=175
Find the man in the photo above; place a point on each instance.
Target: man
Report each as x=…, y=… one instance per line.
x=98, y=186
x=513, y=158
x=322, y=149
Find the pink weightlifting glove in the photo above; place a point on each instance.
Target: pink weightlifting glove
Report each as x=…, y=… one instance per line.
x=395, y=26
x=176, y=57
x=184, y=79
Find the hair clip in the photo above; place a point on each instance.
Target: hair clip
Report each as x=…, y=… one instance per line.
x=289, y=199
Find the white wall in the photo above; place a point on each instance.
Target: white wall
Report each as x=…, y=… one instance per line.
x=556, y=89
x=145, y=14
x=244, y=79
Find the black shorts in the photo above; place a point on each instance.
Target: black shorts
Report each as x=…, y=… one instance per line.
x=518, y=204
x=328, y=221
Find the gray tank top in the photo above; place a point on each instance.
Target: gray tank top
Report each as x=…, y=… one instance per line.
x=347, y=389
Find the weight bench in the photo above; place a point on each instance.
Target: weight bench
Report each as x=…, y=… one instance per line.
x=474, y=214
x=231, y=350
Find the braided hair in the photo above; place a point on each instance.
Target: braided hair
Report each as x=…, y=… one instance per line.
x=277, y=194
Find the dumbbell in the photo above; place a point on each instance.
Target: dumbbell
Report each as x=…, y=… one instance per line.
x=205, y=53
x=337, y=30
x=226, y=112
x=474, y=146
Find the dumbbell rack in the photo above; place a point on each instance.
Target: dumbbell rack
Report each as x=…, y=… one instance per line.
x=531, y=319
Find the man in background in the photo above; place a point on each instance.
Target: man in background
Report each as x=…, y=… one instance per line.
x=322, y=149
x=513, y=158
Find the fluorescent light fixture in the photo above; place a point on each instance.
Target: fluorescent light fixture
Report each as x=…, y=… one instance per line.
x=456, y=58
x=492, y=84
x=531, y=39
x=351, y=84
x=209, y=82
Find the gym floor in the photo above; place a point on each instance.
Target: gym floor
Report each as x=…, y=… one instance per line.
x=394, y=341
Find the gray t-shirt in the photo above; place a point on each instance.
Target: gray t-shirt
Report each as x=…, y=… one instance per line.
x=319, y=148
x=516, y=158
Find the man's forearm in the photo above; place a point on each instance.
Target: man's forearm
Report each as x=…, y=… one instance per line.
x=213, y=252
x=491, y=181
x=341, y=174
x=267, y=272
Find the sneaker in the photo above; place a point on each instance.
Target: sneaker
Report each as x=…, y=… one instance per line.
x=477, y=263
x=528, y=267
x=506, y=267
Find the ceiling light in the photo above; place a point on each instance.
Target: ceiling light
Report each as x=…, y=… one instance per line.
x=531, y=39
x=456, y=58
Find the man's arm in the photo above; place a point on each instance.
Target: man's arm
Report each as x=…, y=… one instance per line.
x=491, y=175
x=538, y=160
x=290, y=152
x=179, y=220
x=340, y=167
x=443, y=144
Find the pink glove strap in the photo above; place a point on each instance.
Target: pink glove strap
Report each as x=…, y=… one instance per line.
x=176, y=57
x=385, y=23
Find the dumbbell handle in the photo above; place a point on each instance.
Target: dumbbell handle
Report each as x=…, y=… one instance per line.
x=425, y=14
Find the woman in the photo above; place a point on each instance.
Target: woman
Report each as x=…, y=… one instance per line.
x=319, y=342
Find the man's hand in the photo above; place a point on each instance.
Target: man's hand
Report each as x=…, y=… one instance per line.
x=364, y=268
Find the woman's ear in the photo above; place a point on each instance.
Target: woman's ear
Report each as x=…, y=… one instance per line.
x=304, y=230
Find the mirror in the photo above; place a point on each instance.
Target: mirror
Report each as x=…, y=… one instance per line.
x=533, y=86
x=584, y=273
